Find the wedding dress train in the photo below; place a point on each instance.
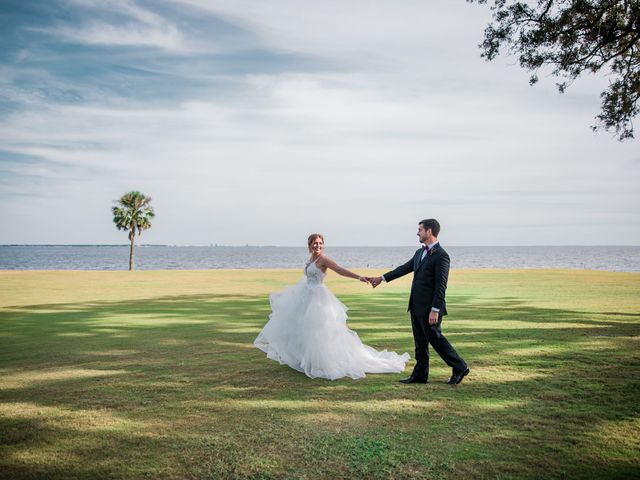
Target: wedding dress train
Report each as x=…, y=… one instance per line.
x=307, y=330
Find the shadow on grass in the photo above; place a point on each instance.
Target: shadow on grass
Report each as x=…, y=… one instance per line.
x=187, y=395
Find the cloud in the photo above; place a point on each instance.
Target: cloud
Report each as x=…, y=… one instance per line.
x=100, y=33
x=253, y=122
x=357, y=30
x=127, y=25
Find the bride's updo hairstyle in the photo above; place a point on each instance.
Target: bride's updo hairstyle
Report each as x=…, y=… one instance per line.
x=312, y=238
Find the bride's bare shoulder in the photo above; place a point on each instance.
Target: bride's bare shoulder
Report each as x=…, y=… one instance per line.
x=326, y=261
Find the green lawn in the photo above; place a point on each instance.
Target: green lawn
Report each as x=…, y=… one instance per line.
x=152, y=374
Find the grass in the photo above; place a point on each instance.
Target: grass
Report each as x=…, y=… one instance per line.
x=152, y=374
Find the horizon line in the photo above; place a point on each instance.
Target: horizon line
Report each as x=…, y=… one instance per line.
x=215, y=245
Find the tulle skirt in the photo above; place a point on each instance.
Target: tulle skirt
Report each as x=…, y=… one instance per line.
x=307, y=330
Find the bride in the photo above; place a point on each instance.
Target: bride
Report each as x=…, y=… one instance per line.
x=307, y=329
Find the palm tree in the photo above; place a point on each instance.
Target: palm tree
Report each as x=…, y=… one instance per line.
x=133, y=212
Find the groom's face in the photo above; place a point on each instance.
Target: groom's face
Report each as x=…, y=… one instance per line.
x=423, y=234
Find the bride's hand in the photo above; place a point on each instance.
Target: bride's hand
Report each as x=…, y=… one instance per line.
x=364, y=279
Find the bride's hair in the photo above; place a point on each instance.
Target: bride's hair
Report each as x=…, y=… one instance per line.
x=312, y=237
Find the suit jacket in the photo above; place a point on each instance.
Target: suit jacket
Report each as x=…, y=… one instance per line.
x=429, y=280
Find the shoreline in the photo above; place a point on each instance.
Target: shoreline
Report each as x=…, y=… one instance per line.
x=276, y=269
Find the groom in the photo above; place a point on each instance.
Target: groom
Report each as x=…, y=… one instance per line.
x=430, y=267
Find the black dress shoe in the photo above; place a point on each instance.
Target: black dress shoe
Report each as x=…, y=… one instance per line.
x=413, y=379
x=456, y=378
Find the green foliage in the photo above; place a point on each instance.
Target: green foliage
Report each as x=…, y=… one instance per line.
x=574, y=37
x=133, y=212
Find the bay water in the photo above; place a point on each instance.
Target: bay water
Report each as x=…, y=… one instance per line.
x=160, y=257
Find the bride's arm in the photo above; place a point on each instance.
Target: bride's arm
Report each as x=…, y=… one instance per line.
x=327, y=262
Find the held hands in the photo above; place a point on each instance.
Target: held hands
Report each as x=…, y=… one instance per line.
x=373, y=281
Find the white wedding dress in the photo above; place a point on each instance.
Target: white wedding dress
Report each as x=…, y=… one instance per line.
x=307, y=330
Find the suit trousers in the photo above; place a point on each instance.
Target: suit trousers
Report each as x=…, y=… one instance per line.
x=425, y=334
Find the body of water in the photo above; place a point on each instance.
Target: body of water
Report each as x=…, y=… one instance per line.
x=93, y=257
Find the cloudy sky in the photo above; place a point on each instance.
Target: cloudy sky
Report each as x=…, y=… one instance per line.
x=254, y=122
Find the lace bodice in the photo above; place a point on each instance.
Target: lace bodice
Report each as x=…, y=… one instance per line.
x=313, y=273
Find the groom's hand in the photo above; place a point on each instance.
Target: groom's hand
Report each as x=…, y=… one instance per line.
x=375, y=281
x=433, y=317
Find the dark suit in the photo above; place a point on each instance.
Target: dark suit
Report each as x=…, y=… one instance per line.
x=428, y=291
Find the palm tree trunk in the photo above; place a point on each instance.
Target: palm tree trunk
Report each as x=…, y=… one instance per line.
x=132, y=237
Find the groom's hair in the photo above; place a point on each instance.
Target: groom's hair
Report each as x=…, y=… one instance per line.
x=431, y=223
